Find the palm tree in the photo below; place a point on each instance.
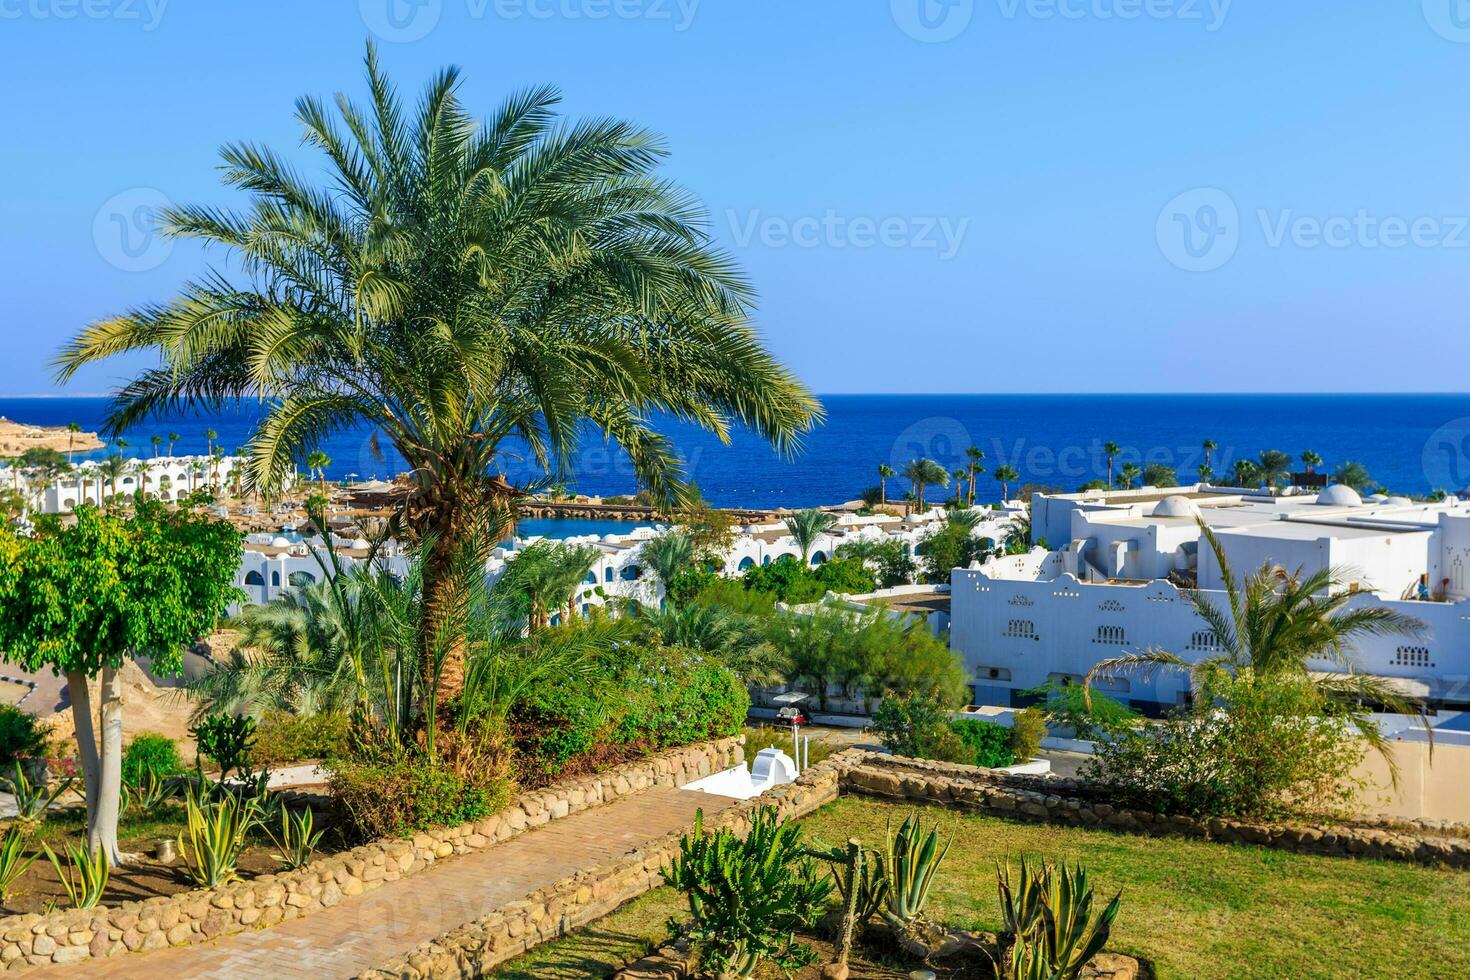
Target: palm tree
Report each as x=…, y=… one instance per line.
x=1111, y=451
x=733, y=639
x=1127, y=474
x=1205, y=473
x=157, y=441
x=959, y=476
x=173, y=437
x=209, y=437
x=1351, y=473
x=924, y=472
x=973, y=456
x=1274, y=466
x=72, y=428
x=543, y=578
x=113, y=466
x=453, y=286
x=667, y=555
x=808, y=525
x=317, y=462
x=884, y=472
x=1004, y=474
x=1208, y=446
x=1246, y=473
x=1275, y=624
x=1311, y=461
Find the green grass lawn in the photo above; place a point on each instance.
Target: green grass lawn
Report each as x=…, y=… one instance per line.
x=1195, y=909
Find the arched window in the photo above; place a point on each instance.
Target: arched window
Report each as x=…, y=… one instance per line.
x=818, y=558
x=1110, y=635
x=607, y=574
x=275, y=579
x=631, y=573
x=766, y=560
x=746, y=562
x=1409, y=656
x=254, y=578
x=591, y=578
x=1457, y=575
x=1021, y=629
x=299, y=579
x=1204, y=640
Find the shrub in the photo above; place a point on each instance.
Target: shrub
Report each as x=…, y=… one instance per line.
x=282, y=738
x=1068, y=706
x=400, y=797
x=85, y=876
x=989, y=743
x=748, y=897
x=14, y=857
x=214, y=835
x=21, y=736
x=150, y=752
x=1046, y=920
x=911, y=862
x=225, y=740
x=912, y=725
x=1028, y=728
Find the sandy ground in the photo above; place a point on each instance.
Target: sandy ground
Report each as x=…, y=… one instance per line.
x=17, y=437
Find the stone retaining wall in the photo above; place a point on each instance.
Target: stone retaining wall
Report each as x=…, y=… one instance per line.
x=510, y=930
x=1070, y=802
x=74, y=936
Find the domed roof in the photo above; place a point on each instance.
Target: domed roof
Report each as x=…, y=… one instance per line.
x=1176, y=506
x=1339, y=495
x=279, y=542
x=1397, y=502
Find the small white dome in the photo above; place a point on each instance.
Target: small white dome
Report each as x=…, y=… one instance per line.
x=1177, y=506
x=279, y=542
x=1397, y=502
x=1339, y=495
x=360, y=543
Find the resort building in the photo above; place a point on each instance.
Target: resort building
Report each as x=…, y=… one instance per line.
x=165, y=477
x=1111, y=583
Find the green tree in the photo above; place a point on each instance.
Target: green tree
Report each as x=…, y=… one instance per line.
x=1209, y=447
x=884, y=472
x=113, y=466
x=1351, y=473
x=1311, y=461
x=1127, y=474
x=1205, y=473
x=72, y=429
x=1159, y=475
x=1274, y=466
x=317, y=462
x=805, y=526
x=923, y=473
x=668, y=555
x=736, y=640
x=952, y=546
x=1245, y=473
x=1004, y=474
x=454, y=285
x=173, y=437
x=153, y=583
x=973, y=457
x=157, y=441
x=1111, y=451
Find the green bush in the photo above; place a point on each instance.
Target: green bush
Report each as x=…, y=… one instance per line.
x=788, y=580
x=989, y=743
x=227, y=741
x=1094, y=718
x=21, y=736
x=1027, y=731
x=917, y=726
x=400, y=797
x=150, y=752
x=282, y=738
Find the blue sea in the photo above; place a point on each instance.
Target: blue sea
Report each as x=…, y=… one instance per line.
x=1410, y=443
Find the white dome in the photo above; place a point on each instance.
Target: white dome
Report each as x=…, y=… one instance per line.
x=1397, y=502
x=279, y=542
x=1176, y=506
x=1339, y=495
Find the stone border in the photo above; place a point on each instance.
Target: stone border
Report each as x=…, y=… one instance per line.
x=79, y=935
x=1068, y=801
x=510, y=930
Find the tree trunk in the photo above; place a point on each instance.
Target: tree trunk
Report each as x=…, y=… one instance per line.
x=102, y=829
x=441, y=599
x=81, y=712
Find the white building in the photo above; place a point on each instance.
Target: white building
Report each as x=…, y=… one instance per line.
x=165, y=477
x=1108, y=585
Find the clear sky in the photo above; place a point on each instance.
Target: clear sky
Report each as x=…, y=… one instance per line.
x=931, y=195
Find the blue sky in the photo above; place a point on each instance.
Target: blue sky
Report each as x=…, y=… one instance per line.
x=963, y=196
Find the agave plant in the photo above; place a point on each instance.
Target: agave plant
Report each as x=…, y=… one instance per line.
x=84, y=877
x=912, y=860
x=214, y=835
x=13, y=858
x=150, y=793
x=297, y=840
x=748, y=897
x=1047, y=920
x=32, y=801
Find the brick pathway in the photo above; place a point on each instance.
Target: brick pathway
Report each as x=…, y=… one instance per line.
x=367, y=929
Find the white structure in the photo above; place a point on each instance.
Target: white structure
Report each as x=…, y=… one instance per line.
x=165, y=477
x=1109, y=585
x=772, y=768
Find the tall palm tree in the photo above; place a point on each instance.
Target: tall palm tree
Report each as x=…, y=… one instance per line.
x=959, y=477
x=808, y=525
x=1205, y=473
x=1004, y=474
x=72, y=428
x=668, y=554
x=1274, y=625
x=1351, y=473
x=1274, y=466
x=922, y=473
x=173, y=437
x=1127, y=474
x=157, y=441
x=209, y=437
x=1208, y=446
x=317, y=462
x=456, y=285
x=1311, y=461
x=113, y=466
x=735, y=640
x=544, y=578
x=1246, y=473
x=884, y=472
x=1111, y=451
x=973, y=456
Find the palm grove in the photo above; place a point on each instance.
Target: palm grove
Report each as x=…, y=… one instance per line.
x=468, y=290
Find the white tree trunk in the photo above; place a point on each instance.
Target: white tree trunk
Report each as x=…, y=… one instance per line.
x=81, y=712
x=102, y=829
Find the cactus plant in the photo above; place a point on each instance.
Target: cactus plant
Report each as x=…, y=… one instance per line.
x=84, y=877
x=214, y=835
x=297, y=841
x=1047, y=920
x=13, y=858
x=909, y=866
